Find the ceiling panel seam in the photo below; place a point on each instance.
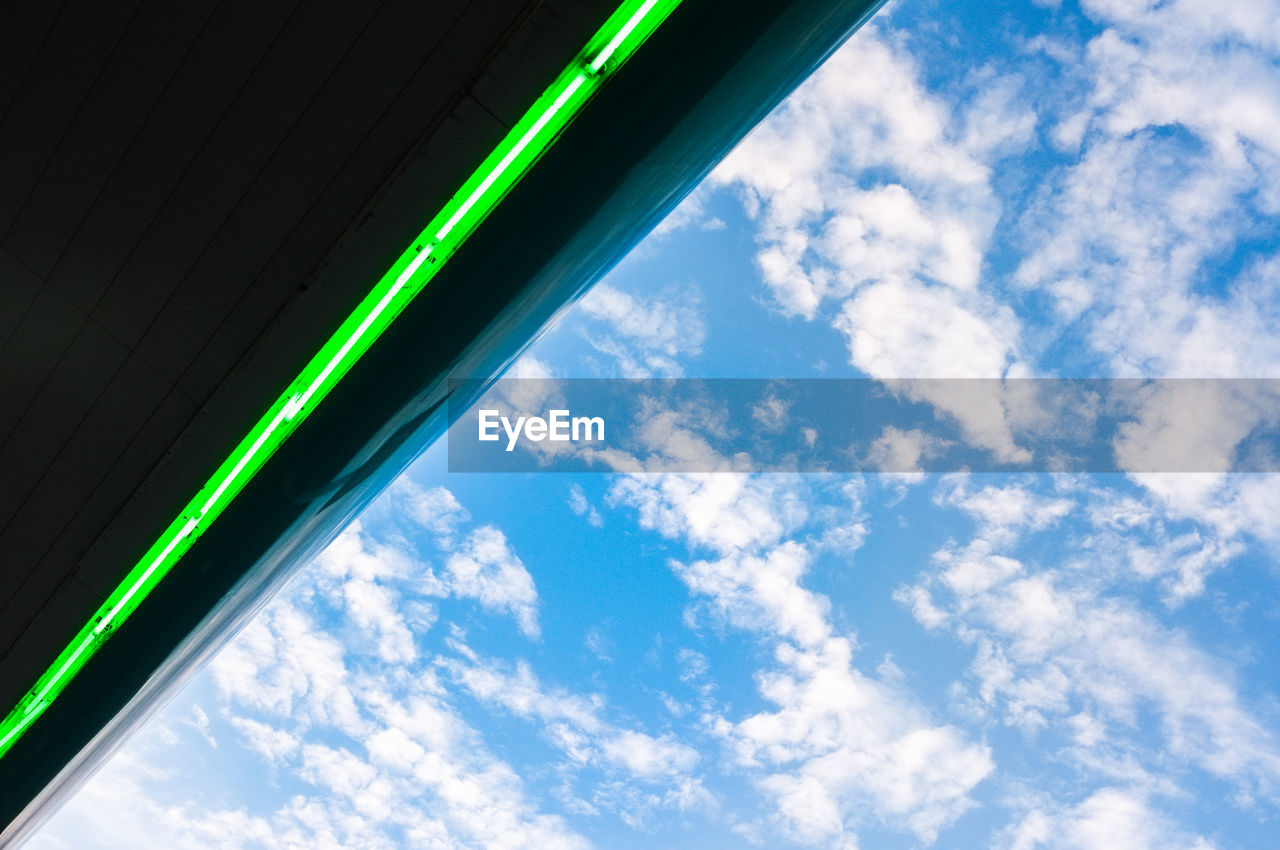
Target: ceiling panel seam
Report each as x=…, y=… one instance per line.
x=62, y=137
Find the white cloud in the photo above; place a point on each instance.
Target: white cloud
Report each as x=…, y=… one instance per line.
x=1190, y=526
x=842, y=748
x=575, y=723
x=449, y=784
x=1003, y=513
x=354, y=555
x=721, y=511
x=282, y=664
x=1177, y=165
x=690, y=213
x=763, y=592
x=900, y=329
x=646, y=336
x=485, y=569
x=900, y=452
x=905, y=245
x=1109, y=818
x=363, y=568
x=434, y=508
x=274, y=745
x=1192, y=426
x=1049, y=644
x=646, y=756
x=579, y=505
x=421, y=778
x=874, y=207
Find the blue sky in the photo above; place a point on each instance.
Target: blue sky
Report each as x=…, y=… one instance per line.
x=883, y=661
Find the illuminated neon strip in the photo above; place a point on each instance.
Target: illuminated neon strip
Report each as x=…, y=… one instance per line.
x=615, y=42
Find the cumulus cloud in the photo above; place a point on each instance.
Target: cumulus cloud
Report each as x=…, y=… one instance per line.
x=363, y=568
x=690, y=213
x=915, y=239
x=463, y=792
x=1055, y=649
x=874, y=209
x=1193, y=425
x=270, y=742
x=395, y=766
x=1173, y=168
x=575, y=723
x=579, y=505
x=283, y=664
x=1004, y=512
x=485, y=569
x=382, y=582
x=721, y=512
x=901, y=329
x=433, y=508
x=646, y=337
x=367, y=728
x=1109, y=817
x=842, y=747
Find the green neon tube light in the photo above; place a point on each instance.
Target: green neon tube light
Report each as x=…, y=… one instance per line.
x=535, y=132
